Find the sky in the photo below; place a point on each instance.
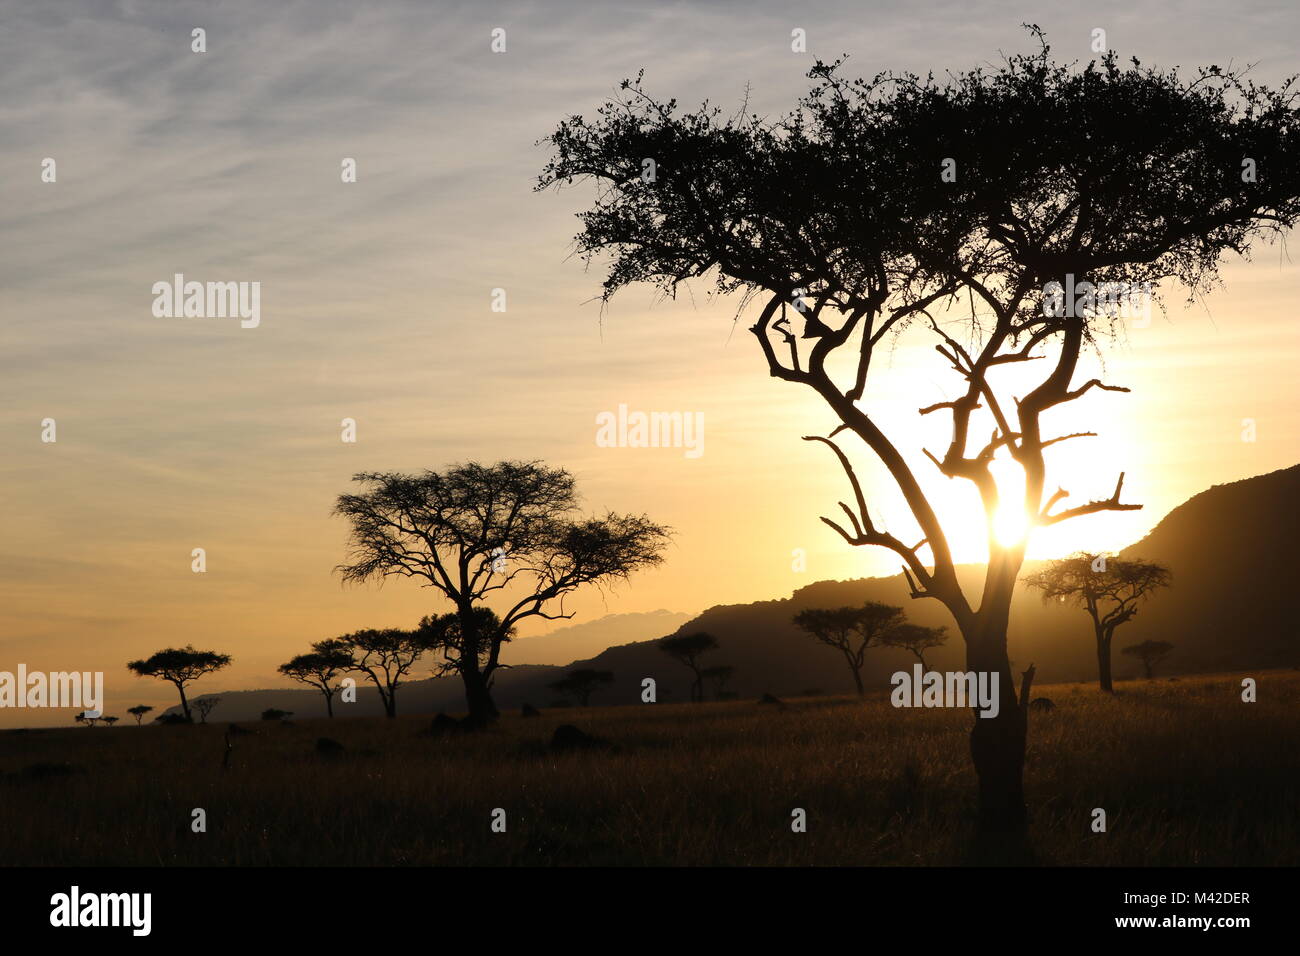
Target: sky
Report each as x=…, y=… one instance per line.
x=376, y=305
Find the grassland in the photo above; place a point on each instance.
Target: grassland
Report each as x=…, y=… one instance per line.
x=1188, y=775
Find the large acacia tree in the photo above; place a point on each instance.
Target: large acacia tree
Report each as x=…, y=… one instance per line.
x=959, y=207
x=509, y=532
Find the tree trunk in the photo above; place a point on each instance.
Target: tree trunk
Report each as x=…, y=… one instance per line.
x=329, y=705
x=857, y=679
x=386, y=698
x=185, y=704
x=478, y=699
x=478, y=694
x=1103, y=661
x=997, y=744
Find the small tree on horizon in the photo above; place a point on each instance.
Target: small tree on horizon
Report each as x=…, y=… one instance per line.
x=385, y=656
x=205, y=706
x=850, y=630
x=687, y=649
x=718, y=676
x=138, y=712
x=180, y=666
x=109, y=720
x=1151, y=653
x=1108, y=588
x=581, y=683
x=915, y=638
x=327, y=659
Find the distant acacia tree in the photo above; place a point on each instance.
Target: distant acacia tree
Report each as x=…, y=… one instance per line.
x=915, y=638
x=180, y=666
x=274, y=713
x=718, y=676
x=1150, y=653
x=318, y=669
x=385, y=656
x=510, y=529
x=110, y=720
x=1003, y=218
x=205, y=706
x=687, y=649
x=1108, y=588
x=581, y=683
x=138, y=712
x=850, y=630
x=81, y=718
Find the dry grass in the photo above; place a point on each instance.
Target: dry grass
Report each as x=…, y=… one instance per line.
x=1187, y=773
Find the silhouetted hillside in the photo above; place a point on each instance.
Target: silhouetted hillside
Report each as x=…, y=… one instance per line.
x=1229, y=547
x=588, y=638
x=1235, y=564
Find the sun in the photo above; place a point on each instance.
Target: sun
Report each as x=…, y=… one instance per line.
x=1010, y=522
x=1011, y=526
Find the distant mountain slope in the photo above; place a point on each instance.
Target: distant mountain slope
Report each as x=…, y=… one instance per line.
x=1231, y=549
x=1236, y=571
x=578, y=641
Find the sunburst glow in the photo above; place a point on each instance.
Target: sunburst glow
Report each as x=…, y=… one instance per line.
x=1010, y=522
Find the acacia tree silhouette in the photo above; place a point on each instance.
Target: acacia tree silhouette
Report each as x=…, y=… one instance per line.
x=851, y=630
x=581, y=683
x=718, y=675
x=180, y=666
x=318, y=668
x=915, y=638
x=386, y=656
x=889, y=204
x=508, y=530
x=1108, y=588
x=686, y=649
x=1150, y=653
x=205, y=706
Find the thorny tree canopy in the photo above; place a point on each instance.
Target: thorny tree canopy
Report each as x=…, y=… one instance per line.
x=511, y=527
x=1117, y=173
